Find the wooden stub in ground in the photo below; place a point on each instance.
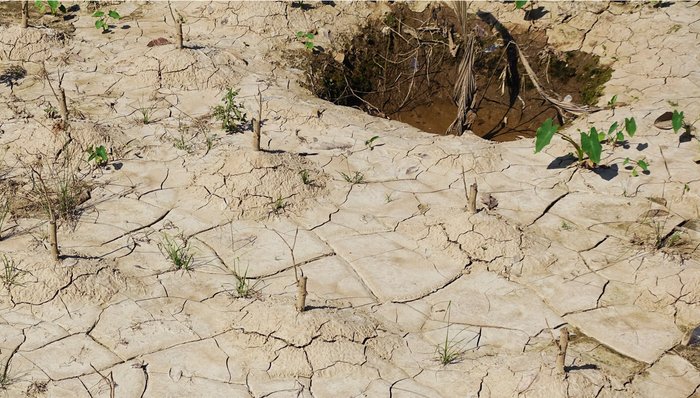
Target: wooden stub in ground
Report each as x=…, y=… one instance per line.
x=178, y=33
x=62, y=106
x=25, y=13
x=471, y=204
x=256, y=124
x=301, y=294
x=563, y=344
x=53, y=239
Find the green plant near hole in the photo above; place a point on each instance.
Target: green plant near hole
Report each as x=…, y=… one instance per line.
x=590, y=143
x=677, y=120
x=179, y=253
x=356, y=178
x=182, y=144
x=51, y=112
x=370, y=142
x=673, y=240
x=636, y=164
x=10, y=273
x=244, y=288
x=449, y=351
x=612, y=101
x=230, y=113
x=146, y=114
x=307, y=38
x=305, y=177
x=102, y=21
x=278, y=205
x=99, y=155
x=210, y=139
x=566, y=226
x=520, y=4
x=54, y=5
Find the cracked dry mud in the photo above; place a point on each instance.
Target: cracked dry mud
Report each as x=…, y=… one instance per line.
x=395, y=264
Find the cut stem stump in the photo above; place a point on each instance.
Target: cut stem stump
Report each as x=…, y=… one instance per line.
x=471, y=205
x=256, y=124
x=53, y=239
x=178, y=33
x=25, y=13
x=301, y=294
x=563, y=344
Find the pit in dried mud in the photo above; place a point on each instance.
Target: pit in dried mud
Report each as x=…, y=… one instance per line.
x=401, y=68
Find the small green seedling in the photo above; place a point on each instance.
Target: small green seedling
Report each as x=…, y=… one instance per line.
x=677, y=120
x=11, y=274
x=179, y=253
x=279, y=205
x=99, y=155
x=370, y=142
x=356, y=178
x=636, y=164
x=54, y=5
x=305, y=178
x=612, y=101
x=230, y=113
x=51, y=112
x=245, y=287
x=307, y=38
x=449, y=351
x=102, y=19
x=519, y=4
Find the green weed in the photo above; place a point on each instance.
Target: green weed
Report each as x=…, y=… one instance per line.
x=449, y=351
x=636, y=164
x=305, y=178
x=99, y=155
x=356, y=178
x=370, y=142
x=54, y=6
x=245, y=287
x=102, y=21
x=178, y=251
x=230, y=113
x=10, y=273
x=307, y=38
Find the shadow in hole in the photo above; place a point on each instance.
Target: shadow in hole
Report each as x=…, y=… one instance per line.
x=562, y=162
x=511, y=55
x=303, y=6
x=588, y=366
x=273, y=151
x=193, y=47
x=607, y=172
x=73, y=8
x=117, y=165
x=641, y=147
x=328, y=3
x=663, y=4
x=535, y=14
x=125, y=27
x=68, y=17
x=685, y=136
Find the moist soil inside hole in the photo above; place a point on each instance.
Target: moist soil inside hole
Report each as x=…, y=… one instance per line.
x=401, y=68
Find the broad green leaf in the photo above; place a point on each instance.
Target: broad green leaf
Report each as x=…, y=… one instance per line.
x=98, y=14
x=99, y=24
x=40, y=5
x=114, y=15
x=309, y=45
x=677, y=120
x=591, y=146
x=643, y=165
x=620, y=136
x=601, y=137
x=630, y=126
x=626, y=162
x=300, y=34
x=544, y=134
x=53, y=5
x=612, y=128
x=613, y=100
x=520, y=4
x=634, y=173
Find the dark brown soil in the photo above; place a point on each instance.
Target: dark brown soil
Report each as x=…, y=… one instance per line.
x=401, y=68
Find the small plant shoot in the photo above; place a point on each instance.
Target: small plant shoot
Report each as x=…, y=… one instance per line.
x=230, y=113
x=519, y=4
x=99, y=155
x=677, y=120
x=635, y=165
x=102, y=21
x=54, y=6
x=613, y=101
x=307, y=38
x=370, y=142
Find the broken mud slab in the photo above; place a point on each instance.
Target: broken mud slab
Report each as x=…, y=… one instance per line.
x=404, y=67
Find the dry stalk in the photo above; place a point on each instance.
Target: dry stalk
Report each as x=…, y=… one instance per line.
x=256, y=124
x=562, y=344
x=109, y=380
x=470, y=194
x=178, y=26
x=53, y=236
x=301, y=280
x=25, y=13
x=464, y=93
x=60, y=95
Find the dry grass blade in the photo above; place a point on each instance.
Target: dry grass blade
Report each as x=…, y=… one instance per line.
x=560, y=105
x=464, y=93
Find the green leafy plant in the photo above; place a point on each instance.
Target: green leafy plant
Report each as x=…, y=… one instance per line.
x=370, y=142
x=146, y=114
x=279, y=204
x=10, y=273
x=677, y=120
x=520, y=4
x=102, y=21
x=636, y=164
x=590, y=143
x=612, y=101
x=54, y=6
x=51, y=112
x=178, y=251
x=356, y=178
x=99, y=155
x=230, y=113
x=307, y=38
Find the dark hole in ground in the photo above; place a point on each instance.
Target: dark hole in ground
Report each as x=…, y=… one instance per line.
x=401, y=67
